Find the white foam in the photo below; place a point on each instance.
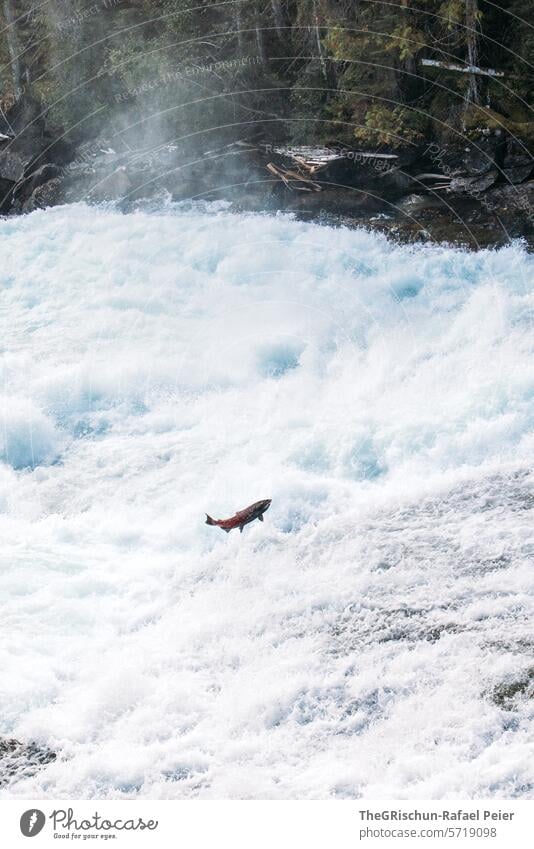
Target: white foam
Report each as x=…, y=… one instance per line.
x=158, y=366
x=28, y=438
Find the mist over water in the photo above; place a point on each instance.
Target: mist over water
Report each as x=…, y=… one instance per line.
x=373, y=637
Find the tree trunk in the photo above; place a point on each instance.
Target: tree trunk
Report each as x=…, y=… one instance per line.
x=409, y=83
x=278, y=16
x=317, y=36
x=259, y=34
x=239, y=29
x=13, y=46
x=471, y=22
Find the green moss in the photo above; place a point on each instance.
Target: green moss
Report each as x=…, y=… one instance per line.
x=393, y=127
x=477, y=118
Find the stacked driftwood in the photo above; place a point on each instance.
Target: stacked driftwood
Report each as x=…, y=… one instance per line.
x=300, y=177
x=299, y=167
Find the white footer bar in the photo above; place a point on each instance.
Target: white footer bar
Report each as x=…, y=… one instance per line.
x=267, y=825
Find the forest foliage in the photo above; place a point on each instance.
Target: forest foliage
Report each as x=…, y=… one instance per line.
x=308, y=71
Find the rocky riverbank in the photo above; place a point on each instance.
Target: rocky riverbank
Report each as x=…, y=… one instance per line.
x=476, y=194
x=22, y=760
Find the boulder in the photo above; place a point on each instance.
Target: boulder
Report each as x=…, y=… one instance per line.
x=474, y=185
x=6, y=195
x=13, y=163
x=483, y=154
x=45, y=195
x=514, y=199
x=26, y=187
x=415, y=202
x=516, y=154
x=518, y=163
x=32, y=140
x=27, y=117
x=21, y=760
x=517, y=173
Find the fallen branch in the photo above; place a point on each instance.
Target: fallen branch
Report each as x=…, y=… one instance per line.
x=462, y=69
x=431, y=177
x=310, y=167
x=289, y=177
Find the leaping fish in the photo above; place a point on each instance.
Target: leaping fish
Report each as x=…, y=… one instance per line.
x=242, y=517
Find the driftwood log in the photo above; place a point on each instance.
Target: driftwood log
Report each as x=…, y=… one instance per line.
x=299, y=180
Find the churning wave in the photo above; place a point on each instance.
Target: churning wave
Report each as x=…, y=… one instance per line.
x=373, y=636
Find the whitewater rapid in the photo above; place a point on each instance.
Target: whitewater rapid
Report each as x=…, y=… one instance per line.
x=373, y=637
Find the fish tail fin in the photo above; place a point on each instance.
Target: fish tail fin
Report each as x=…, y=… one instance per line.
x=210, y=521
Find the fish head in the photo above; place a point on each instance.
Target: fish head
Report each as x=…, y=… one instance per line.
x=264, y=505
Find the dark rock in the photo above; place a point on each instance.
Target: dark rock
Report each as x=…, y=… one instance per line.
x=6, y=195
x=25, y=188
x=395, y=181
x=509, y=694
x=516, y=155
x=416, y=202
x=13, y=163
x=48, y=194
x=514, y=199
x=27, y=115
x=28, y=158
x=51, y=150
x=481, y=184
x=443, y=159
x=518, y=163
x=34, y=140
x=408, y=157
x=474, y=185
x=517, y=173
x=22, y=760
x=484, y=154
x=354, y=203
